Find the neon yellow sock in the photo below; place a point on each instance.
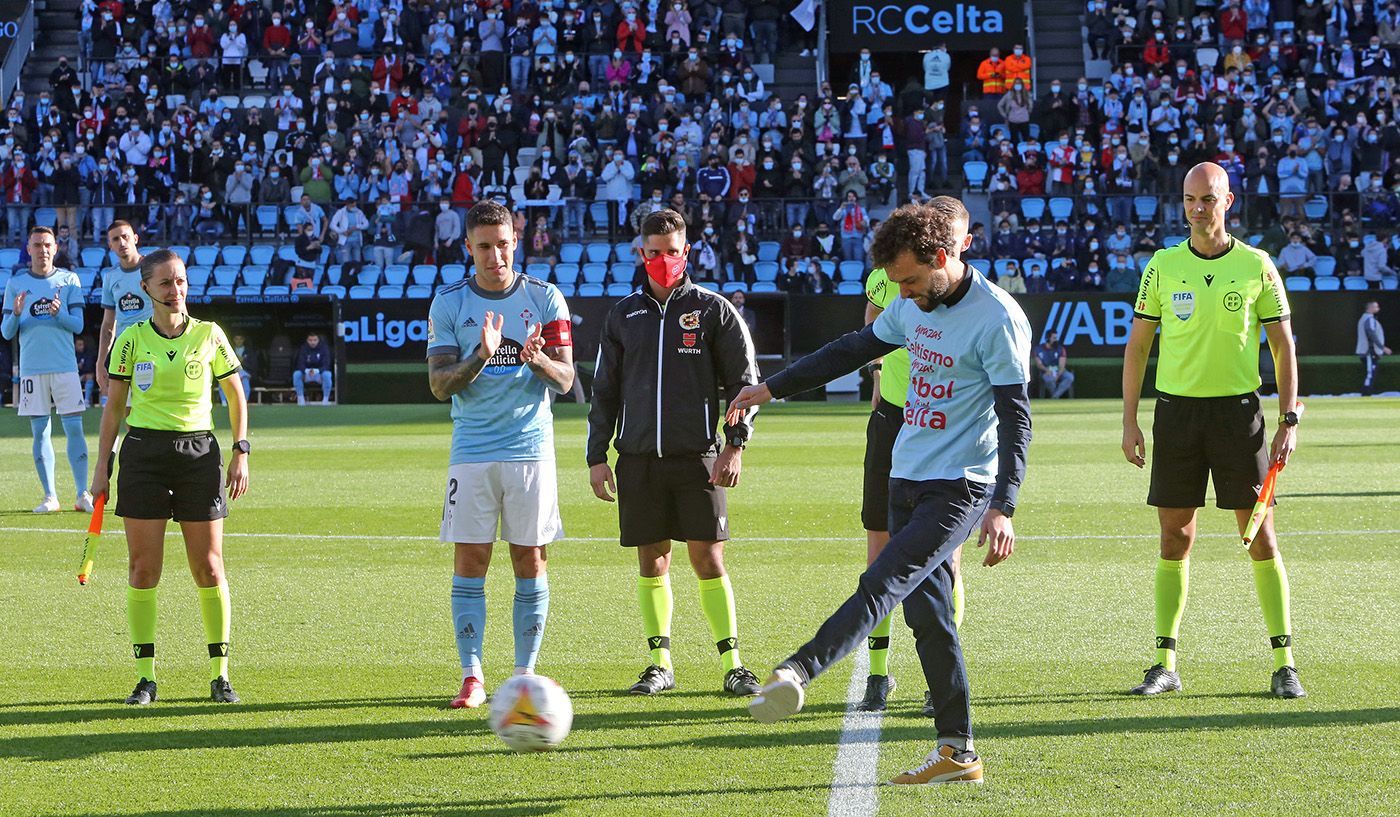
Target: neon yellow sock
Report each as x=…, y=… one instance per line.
x=654, y=599
x=957, y=600
x=880, y=646
x=717, y=602
x=141, y=623
x=1170, y=586
x=1271, y=582
x=215, y=610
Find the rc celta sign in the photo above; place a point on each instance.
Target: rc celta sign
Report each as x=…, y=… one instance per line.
x=895, y=25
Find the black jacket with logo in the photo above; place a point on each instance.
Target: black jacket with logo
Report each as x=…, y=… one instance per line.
x=662, y=370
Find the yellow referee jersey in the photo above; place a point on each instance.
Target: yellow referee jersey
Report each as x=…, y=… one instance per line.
x=172, y=379
x=1210, y=311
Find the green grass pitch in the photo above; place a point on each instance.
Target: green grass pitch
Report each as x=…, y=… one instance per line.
x=343, y=651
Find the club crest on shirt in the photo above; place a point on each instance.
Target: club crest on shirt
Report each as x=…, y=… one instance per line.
x=1183, y=304
x=690, y=320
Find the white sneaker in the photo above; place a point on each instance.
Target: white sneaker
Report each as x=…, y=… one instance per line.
x=301, y=401
x=49, y=505
x=326, y=402
x=781, y=697
x=84, y=502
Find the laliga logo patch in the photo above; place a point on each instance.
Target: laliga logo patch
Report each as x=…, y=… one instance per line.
x=690, y=320
x=1183, y=304
x=506, y=361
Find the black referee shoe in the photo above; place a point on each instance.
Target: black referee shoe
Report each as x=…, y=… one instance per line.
x=144, y=693
x=1285, y=684
x=929, y=710
x=221, y=691
x=740, y=681
x=654, y=679
x=1157, y=679
x=877, y=693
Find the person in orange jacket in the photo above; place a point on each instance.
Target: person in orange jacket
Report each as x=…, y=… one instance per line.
x=992, y=72
x=1018, y=66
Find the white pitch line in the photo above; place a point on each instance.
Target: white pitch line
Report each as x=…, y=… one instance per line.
x=354, y=537
x=853, y=786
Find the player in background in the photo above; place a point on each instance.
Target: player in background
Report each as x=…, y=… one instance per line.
x=44, y=308
x=171, y=467
x=498, y=343
x=124, y=302
x=1209, y=295
x=665, y=354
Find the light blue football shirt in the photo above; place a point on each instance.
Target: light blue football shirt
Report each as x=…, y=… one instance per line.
x=504, y=415
x=122, y=293
x=45, y=341
x=957, y=354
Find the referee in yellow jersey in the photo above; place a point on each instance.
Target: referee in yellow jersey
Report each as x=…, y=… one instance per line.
x=1209, y=295
x=170, y=462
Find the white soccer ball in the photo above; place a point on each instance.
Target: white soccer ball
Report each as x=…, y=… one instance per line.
x=531, y=713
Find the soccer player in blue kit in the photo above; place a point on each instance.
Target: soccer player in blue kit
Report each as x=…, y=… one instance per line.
x=498, y=342
x=124, y=302
x=44, y=307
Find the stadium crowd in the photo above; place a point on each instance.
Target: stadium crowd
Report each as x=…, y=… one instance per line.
x=361, y=132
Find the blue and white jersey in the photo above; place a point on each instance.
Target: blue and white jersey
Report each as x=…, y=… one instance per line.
x=957, y=354
x=122, y=293
x=504, y=415
x=45, y=341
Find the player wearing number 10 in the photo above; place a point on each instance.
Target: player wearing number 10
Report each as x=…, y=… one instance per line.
x=497, y=343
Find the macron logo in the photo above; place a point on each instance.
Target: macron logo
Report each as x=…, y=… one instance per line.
x=634, y=313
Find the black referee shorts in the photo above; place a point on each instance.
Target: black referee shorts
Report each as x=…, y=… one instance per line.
x=171, y=475
x=1196, y=437
x=880, y=431
x=663, y=498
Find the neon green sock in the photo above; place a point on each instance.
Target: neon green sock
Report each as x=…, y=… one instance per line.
x=880, y=646
x=141, y=623
x=214, y=609
x=654, y=598
x=1172, y=581
x=957, y=600
x=717, y=602
x=1271, y=582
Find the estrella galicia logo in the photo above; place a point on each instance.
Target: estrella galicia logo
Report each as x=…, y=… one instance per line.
x=42, y=309
x=1233, y=301
x=131, y=302
x=506, y=361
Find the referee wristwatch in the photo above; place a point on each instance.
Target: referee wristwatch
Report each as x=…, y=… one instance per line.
x=242, y=447
x=737, y=442
x=1288, y=418
x=1002, y=505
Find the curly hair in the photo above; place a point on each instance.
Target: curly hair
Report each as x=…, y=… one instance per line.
x=921, y=229
x=488, y=212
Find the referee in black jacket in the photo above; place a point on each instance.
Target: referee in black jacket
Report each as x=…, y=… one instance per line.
x=666, y=353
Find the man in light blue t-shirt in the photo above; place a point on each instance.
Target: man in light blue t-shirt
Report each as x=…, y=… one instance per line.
x=44, y=307
x=958, y=461
x=498, y=343
x=124, y=302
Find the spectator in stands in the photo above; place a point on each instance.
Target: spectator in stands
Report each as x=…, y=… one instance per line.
x=1056, y=111
x=855, y=224
x=447, y=234
x=992, y=71
x=308, y=248
x=1122, y=278
x=208, y=223
x=1015, y=110
x=313, y=365
x=916, y=151
x=750, y=318
x=349, y=225
x=790, y=279
x=742, y=252
x=1296, y=258
x=797, y=244
x=1011, y=279
x=937, y=64
x=1051, y=358
x=815, y=281
x=87, y=367
x=974, y=139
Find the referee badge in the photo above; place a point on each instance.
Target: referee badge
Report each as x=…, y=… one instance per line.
x=1183, y=304
x=144, y=375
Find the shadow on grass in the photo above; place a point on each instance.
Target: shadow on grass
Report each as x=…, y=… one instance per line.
x=1341, y=494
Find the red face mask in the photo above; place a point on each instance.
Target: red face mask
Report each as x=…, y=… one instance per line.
x=665, y=270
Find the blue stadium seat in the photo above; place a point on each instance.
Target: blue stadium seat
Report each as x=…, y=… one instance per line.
x=850, y=271
x=226, y=275
x=540, y=271
x=424, y=275
x=571, y=253
x=1325, y=265
x=332, y=274
x=1327, y=284
x=218, y=291
x=1297, y=283
x=207, y=255
x=619, y=290
x=828, y=267
x=598, y=253
x=1145, y=207
x=764, y=286
x=255, y=276
x=849, y=288
x=1033, y=207
x=590, y=290
x=1061, y=208
x=567, y=290
x=1172, y=240
x=396, y=275
x=234, y=255
x=198, y=277
x=181, y=250
x=565, y=273
x=287, y=252
x=391, y=292
x=334, y=291
x=622, y=251
x=766, y=270
x=595, y=273
x=277, y=289
x=976, y=174
x=1315, y=208
x=262, y=254
x=247, y=291
x=86, y=277
x=266, y=215
x=452, y=273
x=370, y=274
x=361, y=292
x=46, y=217
x=92, y=257
x=1390, y=282
x=598, y=211
x=730, y=287
x=1003, y=266
x=621, y=273
x=768, y=250
x=1354, y=283
x=982, y=265
x=420, y=291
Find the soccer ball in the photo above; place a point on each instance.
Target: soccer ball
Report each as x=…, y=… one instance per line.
x=531, y=713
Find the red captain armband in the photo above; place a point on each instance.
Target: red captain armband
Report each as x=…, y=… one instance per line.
x=558, y=333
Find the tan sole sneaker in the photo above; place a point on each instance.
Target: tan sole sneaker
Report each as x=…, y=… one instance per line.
x=941, y=767
x=780, y=698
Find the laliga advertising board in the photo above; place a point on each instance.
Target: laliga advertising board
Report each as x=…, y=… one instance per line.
x=912, y=26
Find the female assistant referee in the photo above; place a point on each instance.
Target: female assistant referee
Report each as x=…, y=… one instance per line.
x=170, y=462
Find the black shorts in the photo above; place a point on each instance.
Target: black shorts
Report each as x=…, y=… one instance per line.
x=171, y=475
x=880, y=432
x=664, y=498
x=1196, y=437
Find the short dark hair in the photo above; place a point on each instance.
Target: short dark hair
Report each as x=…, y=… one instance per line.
x=919, y=228
x=487, y=212
x=662, y=222
x=121, y=222
x=42, y=230
x=159, y=258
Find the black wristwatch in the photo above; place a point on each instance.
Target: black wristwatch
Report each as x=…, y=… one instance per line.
x=242, y=447
x=1288, y=418
x=737, y=443
x=1003, y=506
